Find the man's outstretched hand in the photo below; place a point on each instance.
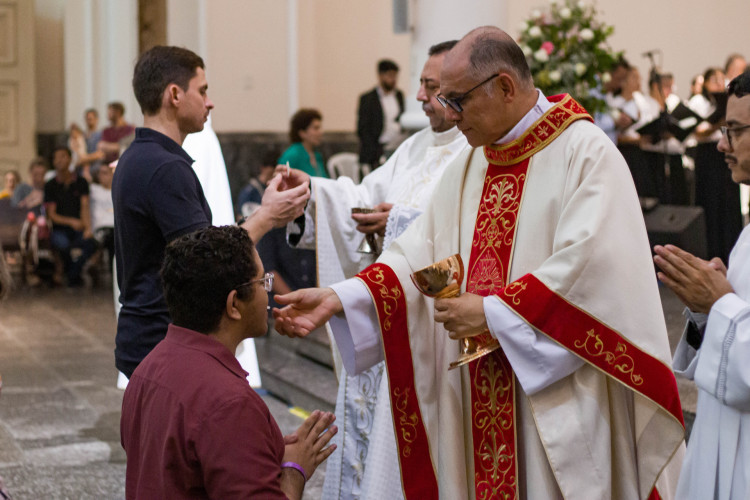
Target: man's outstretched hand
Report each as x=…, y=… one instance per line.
x=698, y=283
x=306, y=310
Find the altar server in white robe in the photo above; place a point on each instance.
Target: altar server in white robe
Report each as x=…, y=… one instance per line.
x=209, y=166
x=366, y=465
x=579, y=402
x=715, y=348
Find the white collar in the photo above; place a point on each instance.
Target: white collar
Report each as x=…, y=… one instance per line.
x=541, y=107
x=445, y=137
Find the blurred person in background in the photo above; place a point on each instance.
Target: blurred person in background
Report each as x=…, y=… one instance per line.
x=305, y=133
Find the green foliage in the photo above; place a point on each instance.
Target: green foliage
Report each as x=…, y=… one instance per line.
x=567, y=51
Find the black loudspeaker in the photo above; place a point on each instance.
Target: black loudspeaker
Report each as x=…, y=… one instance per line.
x=678, y=225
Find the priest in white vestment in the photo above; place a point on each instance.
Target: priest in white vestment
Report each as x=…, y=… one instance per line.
x=366, y=465
x=715, y=348
x=579, y=402
x=209, y=166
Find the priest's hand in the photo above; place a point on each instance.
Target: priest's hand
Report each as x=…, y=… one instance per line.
x=698, y=283
x=291, y=177
x=306, y=310
x=462, y=316
x=375, y=222
x=277, y=208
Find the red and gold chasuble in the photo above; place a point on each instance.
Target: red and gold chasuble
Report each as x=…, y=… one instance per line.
x=492, y=379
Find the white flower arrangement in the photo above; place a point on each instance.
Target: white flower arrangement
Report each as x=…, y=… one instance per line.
x=567, y=50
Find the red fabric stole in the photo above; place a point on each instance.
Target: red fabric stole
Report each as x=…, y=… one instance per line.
x=492, y=380
x=418, y=476
x=592, y=340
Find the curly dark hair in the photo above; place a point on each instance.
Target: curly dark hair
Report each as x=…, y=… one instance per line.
x=199, y=271
x=300, y=121
x=157, y=68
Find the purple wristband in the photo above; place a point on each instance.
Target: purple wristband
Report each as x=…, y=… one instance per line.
x=294, y=465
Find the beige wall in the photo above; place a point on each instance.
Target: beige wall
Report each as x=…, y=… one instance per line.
x=50, y=76
x=246, y=63
x=245, y=44
x=692, y=34
x=340, y=42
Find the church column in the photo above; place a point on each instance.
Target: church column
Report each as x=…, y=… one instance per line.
x=436, y=21
x=101, y=47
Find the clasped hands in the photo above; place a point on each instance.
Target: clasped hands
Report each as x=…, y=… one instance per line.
x=309, y=308
x=698, y=283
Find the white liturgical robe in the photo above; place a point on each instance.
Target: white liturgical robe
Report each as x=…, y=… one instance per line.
x=717, y=464
x=209, y=166
x=365, y=464
x=597, y=413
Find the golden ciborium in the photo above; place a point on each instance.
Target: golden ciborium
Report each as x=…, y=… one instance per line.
x=370, y=244
x=443, y=280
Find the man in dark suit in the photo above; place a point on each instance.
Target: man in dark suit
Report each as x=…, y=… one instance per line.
x=377, y=118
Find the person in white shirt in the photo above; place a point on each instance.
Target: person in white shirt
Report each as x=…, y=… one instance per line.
x=715, y=346
x=102, y=211
x=377, y=116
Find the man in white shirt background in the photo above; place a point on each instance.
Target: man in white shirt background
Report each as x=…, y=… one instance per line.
x=377, y=116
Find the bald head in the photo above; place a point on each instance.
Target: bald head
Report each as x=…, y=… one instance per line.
x=487, y=50
x=487, y=85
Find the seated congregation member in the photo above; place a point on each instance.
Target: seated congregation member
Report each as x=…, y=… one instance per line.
x=11, y=180
x=305, y=132
x=191, y=425
x=248, y=201
x=715, y=345
x=66, y=197
x=31, y=196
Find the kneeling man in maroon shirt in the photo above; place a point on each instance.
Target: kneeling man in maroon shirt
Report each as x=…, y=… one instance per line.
x=191, y=425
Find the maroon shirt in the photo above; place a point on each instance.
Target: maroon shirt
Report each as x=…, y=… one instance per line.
x=116, y=134
x=192, y=427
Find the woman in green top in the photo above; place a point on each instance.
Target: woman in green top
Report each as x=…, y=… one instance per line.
x=305, y=132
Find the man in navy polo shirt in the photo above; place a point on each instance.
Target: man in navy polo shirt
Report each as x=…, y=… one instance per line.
x=157, y=196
